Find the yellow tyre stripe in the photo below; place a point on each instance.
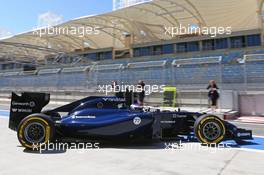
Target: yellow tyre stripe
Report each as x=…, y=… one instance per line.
x=47, y=136
x=199, y=130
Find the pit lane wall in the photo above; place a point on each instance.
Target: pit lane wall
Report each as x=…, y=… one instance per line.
x=245, y=102
x=251, y=103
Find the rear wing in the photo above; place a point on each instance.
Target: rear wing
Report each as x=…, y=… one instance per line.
x=25, y=104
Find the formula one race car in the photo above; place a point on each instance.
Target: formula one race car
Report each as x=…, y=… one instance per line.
x=109, y=119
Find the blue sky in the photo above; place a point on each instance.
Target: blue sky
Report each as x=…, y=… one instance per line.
x=17, y=16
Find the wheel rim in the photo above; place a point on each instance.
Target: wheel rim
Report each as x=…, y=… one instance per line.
x=34, y=132
x=211, y=130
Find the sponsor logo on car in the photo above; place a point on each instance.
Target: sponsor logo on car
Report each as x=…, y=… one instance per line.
x=243, y=134
x=84, y=117
x=113, y=99
x=21, y=110
x=30, y=104
x=179, y=116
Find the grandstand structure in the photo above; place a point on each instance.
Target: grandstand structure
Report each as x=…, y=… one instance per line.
x=133, y=45
x=118, y=4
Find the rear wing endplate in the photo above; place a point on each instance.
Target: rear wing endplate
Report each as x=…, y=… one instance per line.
x=25, y=104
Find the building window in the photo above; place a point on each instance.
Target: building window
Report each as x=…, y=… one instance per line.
x=144, y=51
x=237, y=41
x=167, y=49
x=221, y=43
x=136, y=52
x=104, y=55
x=208, y=45
x=253, y=40
x=100, y=56
x=108, y=55
x=193, y=46
x=181, y=47
x=157, y=50
x=92, y=56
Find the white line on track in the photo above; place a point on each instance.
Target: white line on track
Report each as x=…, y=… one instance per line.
x=258, y=136
x=250, y=150
x=246, y=123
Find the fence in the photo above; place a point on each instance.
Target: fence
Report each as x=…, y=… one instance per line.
x=253, y=71
x=188, y=75
x=193, y=73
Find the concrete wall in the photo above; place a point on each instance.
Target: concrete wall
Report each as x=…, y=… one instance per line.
x=251, y=103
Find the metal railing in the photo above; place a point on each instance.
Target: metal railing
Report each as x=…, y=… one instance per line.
x=193, y=73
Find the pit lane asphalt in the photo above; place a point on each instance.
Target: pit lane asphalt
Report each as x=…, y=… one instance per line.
x=154, y=158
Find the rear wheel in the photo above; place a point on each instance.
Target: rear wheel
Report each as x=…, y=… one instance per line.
x=34, y=131
x=209, y=129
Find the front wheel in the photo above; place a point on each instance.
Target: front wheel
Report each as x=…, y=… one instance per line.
x=35, y=130
x=209, y=129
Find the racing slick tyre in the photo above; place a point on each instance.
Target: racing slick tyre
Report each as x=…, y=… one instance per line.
x=35, y=131
x=209, y=129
